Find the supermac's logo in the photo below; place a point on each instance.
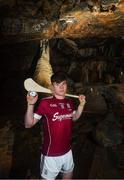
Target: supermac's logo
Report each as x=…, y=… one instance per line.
x=58, y=117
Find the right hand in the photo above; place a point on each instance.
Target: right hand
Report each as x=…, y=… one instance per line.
x=32, y=99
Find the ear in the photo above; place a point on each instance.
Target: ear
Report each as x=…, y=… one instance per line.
x=51, y=87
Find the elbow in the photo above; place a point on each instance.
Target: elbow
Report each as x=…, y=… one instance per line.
x=28, y=123
x=27, y=126
x=75, y=118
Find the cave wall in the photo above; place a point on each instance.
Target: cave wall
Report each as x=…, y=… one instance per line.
x=90, y=49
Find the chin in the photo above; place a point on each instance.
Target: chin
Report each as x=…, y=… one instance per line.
x=63, y=95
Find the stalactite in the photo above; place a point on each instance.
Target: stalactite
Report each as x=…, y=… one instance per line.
x=43, y=70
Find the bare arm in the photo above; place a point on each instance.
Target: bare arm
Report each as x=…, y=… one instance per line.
x=80, y=108
x=29, y=119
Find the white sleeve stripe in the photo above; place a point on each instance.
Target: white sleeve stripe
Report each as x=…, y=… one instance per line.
x=37, y=116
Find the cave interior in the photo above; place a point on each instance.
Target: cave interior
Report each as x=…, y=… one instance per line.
x=85, y=39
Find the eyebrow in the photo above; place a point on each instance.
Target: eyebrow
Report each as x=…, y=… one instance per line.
x=63, y=82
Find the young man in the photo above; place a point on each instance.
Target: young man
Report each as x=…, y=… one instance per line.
x=58, y=114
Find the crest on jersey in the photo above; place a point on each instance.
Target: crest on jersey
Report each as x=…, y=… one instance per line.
x=62, y=105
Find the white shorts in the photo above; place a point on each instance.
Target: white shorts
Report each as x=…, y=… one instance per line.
x=51, y=165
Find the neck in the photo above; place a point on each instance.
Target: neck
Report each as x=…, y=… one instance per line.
x=59, y=97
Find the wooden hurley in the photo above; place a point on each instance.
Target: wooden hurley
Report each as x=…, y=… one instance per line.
x=31, y=85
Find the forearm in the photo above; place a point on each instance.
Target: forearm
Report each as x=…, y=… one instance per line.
x=79, y=111
x=29, y=119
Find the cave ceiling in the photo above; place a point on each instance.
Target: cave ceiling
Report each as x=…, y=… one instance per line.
x=22, y=20
x=87, y=29
x=86, y=38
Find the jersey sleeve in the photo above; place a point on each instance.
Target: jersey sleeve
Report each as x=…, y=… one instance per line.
x=40, y=110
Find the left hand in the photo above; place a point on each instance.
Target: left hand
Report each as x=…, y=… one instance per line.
x=82, y=99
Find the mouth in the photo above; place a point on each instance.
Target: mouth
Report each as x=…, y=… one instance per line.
x=62, y=92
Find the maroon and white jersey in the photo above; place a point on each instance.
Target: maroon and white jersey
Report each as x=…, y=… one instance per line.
x=57, y=122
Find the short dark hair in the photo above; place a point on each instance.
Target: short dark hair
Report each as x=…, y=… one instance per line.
x=58, y=77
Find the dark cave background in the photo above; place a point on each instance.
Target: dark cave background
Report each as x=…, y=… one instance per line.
x=86, y=40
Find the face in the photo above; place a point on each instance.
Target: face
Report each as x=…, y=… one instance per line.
x=59, y=89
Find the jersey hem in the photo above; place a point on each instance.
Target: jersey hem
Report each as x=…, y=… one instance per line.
x=57, y=154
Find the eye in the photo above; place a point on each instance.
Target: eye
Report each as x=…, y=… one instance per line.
x=64, y=83
x=56, y=84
